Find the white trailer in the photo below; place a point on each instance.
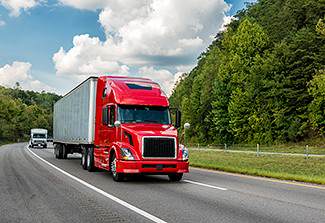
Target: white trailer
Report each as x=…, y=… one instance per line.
x=74, y=118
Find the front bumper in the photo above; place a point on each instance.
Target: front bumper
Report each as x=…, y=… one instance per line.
x=38, y=143
x=153, y=167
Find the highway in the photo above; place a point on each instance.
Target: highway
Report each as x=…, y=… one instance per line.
x=36, y=187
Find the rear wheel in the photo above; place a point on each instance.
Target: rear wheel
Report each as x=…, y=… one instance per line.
x=90, y=160
x=175, y=177
x=64, y=151
x=116, y=176
x=58, y=151
x=84, y=158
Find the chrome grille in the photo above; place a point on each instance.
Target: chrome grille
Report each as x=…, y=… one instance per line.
x=38, y=141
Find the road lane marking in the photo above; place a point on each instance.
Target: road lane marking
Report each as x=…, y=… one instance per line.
x=117, y=200
x=205, y=185
x=260, y=178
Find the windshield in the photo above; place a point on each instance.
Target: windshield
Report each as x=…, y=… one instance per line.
x=38, y=136
x=143, y=114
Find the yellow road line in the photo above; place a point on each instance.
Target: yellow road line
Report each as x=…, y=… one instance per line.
x=262, y=178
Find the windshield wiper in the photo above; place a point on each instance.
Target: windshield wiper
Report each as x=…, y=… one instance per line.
x=151, y=121
x=129, y=121
x=140, y=121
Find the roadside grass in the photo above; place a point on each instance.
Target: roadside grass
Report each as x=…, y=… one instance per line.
x=311, y=170
x=315, y=146
x=4, y=143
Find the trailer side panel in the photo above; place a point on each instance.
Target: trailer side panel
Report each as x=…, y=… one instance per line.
x=74, y=115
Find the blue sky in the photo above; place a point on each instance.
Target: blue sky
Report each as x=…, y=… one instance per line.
x=38, y=32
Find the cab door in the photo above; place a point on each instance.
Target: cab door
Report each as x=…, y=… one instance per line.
x=110, y=133
x=107, y=134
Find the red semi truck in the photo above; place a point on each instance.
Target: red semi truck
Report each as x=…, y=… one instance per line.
x=120, y=124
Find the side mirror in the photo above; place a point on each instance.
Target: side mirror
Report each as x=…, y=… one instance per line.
x=117, y=123
x=178, y=119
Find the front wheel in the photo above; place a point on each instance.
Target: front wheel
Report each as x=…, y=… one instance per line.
x=175, y=177
x=116, y=176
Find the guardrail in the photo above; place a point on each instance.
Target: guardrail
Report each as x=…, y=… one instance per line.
x=258, y=149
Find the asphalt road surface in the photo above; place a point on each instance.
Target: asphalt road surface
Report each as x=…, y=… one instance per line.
x=35, y=187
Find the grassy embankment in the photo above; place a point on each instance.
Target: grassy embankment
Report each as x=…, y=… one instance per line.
x=296, y=168
x=315, y=146
x=4, y=143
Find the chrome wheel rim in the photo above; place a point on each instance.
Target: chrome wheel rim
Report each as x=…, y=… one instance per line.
x=83, y=159
x=113, y=167
x=88, y=160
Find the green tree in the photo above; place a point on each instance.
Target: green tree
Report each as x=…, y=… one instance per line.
x=317, y=107
x=257, y=81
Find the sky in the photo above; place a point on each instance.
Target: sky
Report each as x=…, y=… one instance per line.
x=53, y=45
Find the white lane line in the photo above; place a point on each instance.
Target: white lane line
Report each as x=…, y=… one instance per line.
x=205, y=185
x=117, y=200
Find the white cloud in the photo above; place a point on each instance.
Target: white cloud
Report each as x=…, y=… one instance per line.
x=226, y=21
x=87, y=57
x=20, y=72
x=142, y=33
x=2, y=23
x=85, y=4
x=15, y=6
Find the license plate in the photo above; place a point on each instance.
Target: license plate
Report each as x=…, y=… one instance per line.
x=159, y=167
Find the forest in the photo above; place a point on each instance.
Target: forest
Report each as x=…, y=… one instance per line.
x=262, y=80
x=22, y=110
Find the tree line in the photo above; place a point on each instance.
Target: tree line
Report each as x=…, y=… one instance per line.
x=22, y=110
x=262, y=80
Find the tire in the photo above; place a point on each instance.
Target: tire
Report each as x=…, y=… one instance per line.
x=175, y=177
x=60, y=151
x=90, y=160
x=55, y=151
x=45, y=146
x=116, y=176
x=84, y=158
x=64, y=151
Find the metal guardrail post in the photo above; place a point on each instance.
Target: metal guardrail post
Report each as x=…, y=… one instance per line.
x=257, y=149
x=306, y=151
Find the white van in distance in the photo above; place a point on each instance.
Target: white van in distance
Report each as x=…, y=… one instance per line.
x=38, y=137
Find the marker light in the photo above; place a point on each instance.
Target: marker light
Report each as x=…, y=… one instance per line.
x=185, y=154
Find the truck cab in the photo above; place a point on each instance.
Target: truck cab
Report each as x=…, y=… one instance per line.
x=134, y=132
x=38, y=138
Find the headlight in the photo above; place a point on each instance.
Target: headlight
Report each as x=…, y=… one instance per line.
x=184, y=150
x=126, y=154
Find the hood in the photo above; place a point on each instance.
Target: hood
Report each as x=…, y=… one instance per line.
x=133, y=134
x=140, y=129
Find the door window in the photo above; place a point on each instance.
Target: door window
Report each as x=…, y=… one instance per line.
x=111, y=115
